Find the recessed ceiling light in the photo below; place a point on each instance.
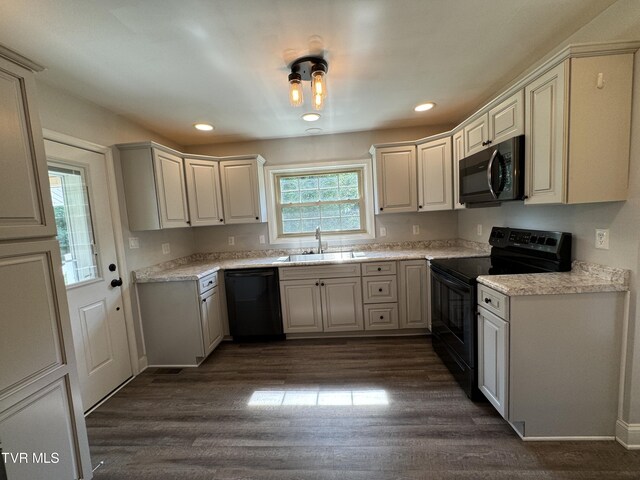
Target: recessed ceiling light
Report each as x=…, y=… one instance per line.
x=205, y=127
x=423, y=107
x=312, y=131
x=310, y=117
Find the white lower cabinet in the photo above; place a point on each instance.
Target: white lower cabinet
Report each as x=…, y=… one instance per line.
x=322, y=305
x=414, y=308
x=182, y=321
x=493, y=355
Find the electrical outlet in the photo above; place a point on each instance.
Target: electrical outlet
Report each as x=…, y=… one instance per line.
x=232, y=240
x=479, y=229
x=134, y=242
x=602, y=238
x=416, y=229
x=262, y=239
x=383, y=232
x=166, y=248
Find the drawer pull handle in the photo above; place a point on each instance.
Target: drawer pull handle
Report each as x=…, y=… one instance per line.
x=379, y=269
x=380, y=290
x=210, y=282
x=487, y=300
x=317, y=284
x=381, y=317
x=322, y=284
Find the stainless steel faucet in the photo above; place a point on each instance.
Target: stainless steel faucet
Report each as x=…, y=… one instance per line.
x=319, y=238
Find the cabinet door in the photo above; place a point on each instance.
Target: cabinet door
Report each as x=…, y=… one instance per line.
x=493, y=359
x=506, y=120
x=25, y=204
x=434, y=175
x=475, y=134
x=458, y=154
x=396, y=179
x=342, y=304
x=240, y=191
x=203, y=192
x=301, y=310
x=413, y=294
x=171, y=188
x=545, y=147
x=210, y=317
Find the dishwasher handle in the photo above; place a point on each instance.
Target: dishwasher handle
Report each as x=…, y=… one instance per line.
x=250, y=273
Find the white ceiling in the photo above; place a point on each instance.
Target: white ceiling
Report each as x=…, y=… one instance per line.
x=169, y=63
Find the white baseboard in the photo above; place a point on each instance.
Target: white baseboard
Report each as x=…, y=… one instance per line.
x=592, y=438
x=142, y=364
x=628, y=435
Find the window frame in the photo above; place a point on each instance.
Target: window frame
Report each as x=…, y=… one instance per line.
x=365, y=185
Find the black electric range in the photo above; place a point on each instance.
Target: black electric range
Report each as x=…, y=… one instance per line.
x=453, y=291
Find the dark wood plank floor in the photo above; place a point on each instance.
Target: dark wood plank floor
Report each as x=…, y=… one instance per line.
x=197, y=424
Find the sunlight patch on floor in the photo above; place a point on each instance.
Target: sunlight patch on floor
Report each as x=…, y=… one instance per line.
x=311, y=398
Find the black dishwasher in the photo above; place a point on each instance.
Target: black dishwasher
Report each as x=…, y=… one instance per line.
x=253, y=303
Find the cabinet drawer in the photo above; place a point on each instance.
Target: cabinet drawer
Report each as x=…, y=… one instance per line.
x=378, y=268
x=381, y=316
x=493, y=301
x=383, y=289
x=320, y=271
x=208, y=282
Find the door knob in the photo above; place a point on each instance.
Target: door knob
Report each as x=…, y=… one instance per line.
x=116, y=282
x=112, y=267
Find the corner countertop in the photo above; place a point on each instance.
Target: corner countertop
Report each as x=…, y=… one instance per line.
x=200, y=265
x=583, y=278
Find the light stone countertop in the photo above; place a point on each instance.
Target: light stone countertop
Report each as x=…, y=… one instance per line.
x=583, y=278
x=196, y=267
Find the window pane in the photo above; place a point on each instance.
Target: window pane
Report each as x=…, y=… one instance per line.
x=308, y=196
x=73, y=221
x=290, y=197
x=291, y=213
x=349, y=194
x=328, y=194
x=288, y=183
x=349, y=209
x=291, y=226
x=310, y=225
x=331, y=224
x=349, y=179
x=331, y=210
x=329, y=181
x=351, y=223
x=310, y=212
x=307, y=183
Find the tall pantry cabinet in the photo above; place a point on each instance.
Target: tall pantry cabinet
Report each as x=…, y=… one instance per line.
x=40, y=407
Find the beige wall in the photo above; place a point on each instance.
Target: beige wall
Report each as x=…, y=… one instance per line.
x=620, y=22
x=347, y=146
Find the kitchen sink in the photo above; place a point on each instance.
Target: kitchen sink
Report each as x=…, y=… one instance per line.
x=315, y=257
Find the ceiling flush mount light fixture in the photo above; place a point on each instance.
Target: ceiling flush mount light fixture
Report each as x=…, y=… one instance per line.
x=204, y=127
x=313, y=131
x=310, y=117
x=313, y=69
x=423, y=107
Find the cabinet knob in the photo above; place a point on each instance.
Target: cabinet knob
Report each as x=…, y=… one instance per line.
x=419, y=207
x=381, y=317
x=257, y=218
x=379, y=269
x=317, y=284
x=222, y=219
x=381, y=208
x=188, y=222
x=322, y=284
x=380, y=290
x=210, y=282
x=204, y=300
x=487, y=300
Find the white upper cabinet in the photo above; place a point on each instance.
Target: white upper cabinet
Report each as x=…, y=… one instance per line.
x=458, y=154
x=203, y=192
x=434, y=175
x=243, y=192
x=395, y=179
x=25, y=211
x=502, y=122
x=578, y=131
x=154, y=186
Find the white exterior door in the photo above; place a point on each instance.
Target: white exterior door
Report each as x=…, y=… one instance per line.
x=85, y=233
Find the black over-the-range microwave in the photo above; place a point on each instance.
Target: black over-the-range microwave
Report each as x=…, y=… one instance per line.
x=493, y=175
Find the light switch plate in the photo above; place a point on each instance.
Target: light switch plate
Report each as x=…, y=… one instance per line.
x=166, y=248
x=383, y=232
x=134, y=242
x=232, y=240
x=416, y=229
x=479, y=229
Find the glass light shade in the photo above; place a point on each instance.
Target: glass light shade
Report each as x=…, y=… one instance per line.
x=295, y=93
x=319, y=83
x=318, y=102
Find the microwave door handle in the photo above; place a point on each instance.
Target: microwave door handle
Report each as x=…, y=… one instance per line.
x=490, y=173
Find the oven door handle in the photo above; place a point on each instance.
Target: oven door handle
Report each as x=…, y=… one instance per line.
x=451, y=283
x=490, y=173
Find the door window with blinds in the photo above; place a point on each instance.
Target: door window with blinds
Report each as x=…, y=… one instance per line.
x=332, y=200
